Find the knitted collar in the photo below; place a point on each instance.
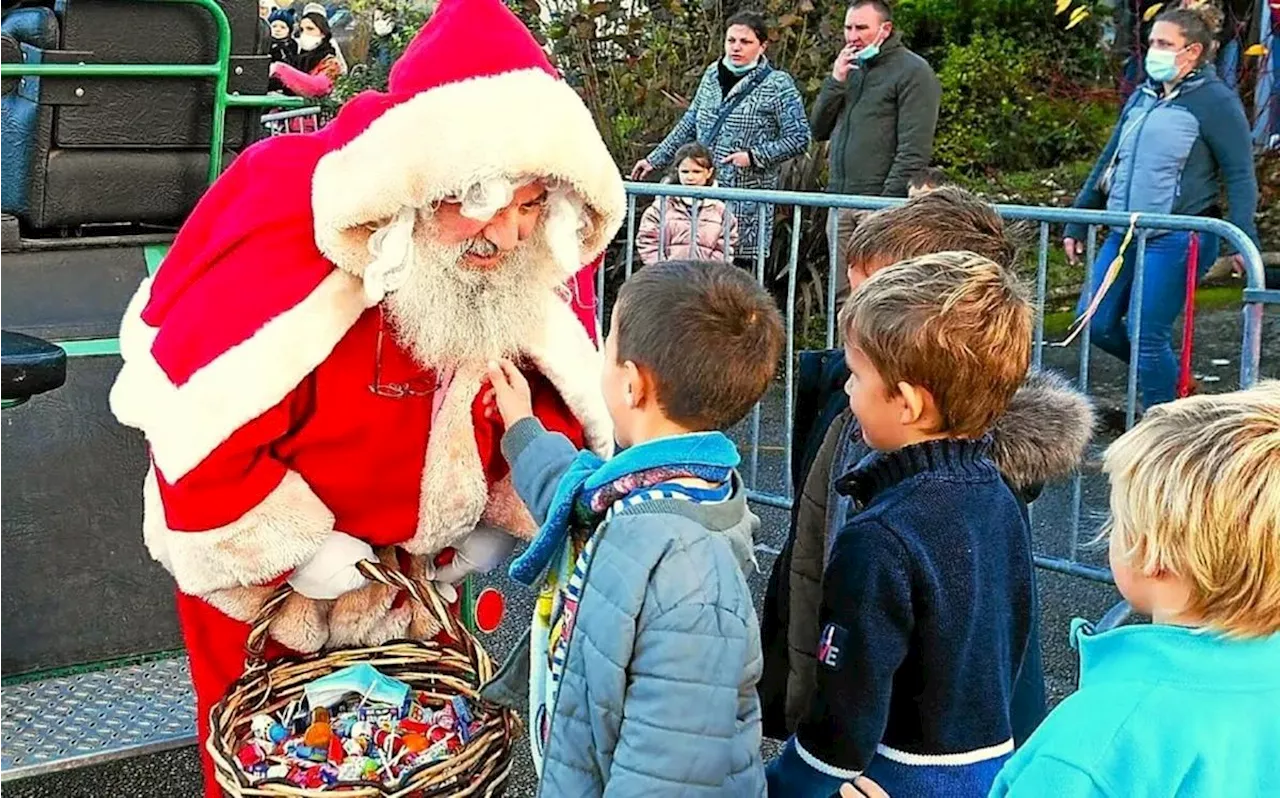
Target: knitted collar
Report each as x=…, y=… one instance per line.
x=955, y=457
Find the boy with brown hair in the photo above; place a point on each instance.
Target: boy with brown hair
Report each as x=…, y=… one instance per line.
x=931, y=178
x=644, y=651
x=1041, y=437
x=1188, y=704
x=927, y=597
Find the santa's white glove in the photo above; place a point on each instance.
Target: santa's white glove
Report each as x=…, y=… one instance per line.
x=331, y=571
x=479, y=552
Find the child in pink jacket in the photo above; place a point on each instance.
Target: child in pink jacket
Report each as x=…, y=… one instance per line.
x=316, y=66
x=670, y=235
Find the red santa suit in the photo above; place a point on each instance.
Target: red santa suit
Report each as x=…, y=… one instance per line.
x=277, y=403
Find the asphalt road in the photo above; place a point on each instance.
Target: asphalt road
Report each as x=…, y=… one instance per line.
x=176, y=773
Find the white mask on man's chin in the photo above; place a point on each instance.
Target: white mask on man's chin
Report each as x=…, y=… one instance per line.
x=309, y=41
x=381, y=25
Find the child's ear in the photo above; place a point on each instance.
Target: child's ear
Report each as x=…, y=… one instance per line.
x=642, y=386
x=917, y=405
x=910, y=404
x=633, y=387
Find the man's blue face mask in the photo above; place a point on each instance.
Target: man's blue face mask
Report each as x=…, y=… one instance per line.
x=871, y=50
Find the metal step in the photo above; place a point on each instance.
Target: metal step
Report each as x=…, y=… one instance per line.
x=87, y=718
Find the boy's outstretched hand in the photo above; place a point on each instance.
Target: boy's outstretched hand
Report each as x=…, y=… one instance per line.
x=510, y=392
x=862, y=786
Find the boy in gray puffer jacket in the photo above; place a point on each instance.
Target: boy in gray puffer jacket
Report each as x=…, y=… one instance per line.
x=644, y=651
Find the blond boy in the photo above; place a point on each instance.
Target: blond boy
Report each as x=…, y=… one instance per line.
x=1190, y=704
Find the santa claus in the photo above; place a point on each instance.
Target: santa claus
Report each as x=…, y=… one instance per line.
x=307, y=366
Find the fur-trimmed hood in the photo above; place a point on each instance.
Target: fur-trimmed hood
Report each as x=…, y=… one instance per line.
x=195, y=371
x=1043, y=435
x=473, y=98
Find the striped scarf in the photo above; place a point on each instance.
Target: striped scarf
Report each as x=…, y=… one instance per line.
x=561, y=593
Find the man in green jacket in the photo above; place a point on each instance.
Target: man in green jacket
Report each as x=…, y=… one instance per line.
x=879, y=109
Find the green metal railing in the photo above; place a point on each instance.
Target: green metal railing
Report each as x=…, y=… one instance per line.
x=220, y=72
x=222, y=100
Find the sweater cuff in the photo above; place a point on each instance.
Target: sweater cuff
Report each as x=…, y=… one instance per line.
x=797, y=772
x=517, y=439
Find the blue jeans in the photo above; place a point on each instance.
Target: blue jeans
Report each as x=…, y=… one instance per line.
x=1164, y=289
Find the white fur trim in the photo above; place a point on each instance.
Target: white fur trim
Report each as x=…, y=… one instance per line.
x=184, y=423
x=445, y=140
x=276, y=536
x=573, y=364
x=454, y=491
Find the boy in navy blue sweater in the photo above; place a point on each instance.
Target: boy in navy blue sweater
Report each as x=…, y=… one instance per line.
x=926, y=597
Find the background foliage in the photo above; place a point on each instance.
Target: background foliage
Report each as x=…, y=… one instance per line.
x=1026, y=101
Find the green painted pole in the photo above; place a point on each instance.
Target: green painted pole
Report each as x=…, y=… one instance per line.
x=266, y=101
x=218, y=131
x=92, y=347
x=154, y=254
x=468, y=605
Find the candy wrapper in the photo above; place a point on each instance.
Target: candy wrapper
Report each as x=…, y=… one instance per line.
x=379, y=735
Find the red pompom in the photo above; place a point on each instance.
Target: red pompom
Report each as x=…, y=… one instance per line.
x=490, y=606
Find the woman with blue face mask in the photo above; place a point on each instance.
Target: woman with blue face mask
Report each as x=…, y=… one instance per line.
x=751, y=117
x=1182, y=139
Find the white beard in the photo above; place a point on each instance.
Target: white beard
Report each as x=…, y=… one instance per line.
x=447, y=315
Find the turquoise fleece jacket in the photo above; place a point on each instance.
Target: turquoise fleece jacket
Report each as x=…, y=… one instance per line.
x=1161, y=711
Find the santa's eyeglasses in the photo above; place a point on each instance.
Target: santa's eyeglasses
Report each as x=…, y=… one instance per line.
x=416, y=387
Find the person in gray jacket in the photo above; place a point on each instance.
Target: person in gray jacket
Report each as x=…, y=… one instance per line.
x=879, y=110
x=751, y=116
x=641, y=663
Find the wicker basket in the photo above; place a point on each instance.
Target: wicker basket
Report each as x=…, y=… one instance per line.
x=457, y=666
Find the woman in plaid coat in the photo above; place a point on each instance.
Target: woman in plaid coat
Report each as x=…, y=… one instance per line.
x=751, y=116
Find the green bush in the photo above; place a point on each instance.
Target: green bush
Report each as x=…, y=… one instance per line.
x=1007, y=107
x=930, y=26
x=372, y=72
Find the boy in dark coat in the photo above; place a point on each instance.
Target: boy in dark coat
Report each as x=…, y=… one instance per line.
x=927, y=593
x=1041, y=437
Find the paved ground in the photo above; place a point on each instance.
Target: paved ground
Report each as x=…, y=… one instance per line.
x=176, y=773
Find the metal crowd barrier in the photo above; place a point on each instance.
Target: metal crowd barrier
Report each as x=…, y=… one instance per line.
x=280, y=122
x=1255, y=297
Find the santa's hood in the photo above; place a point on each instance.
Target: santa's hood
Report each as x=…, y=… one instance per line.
x=248, y=301
x=473, y=98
